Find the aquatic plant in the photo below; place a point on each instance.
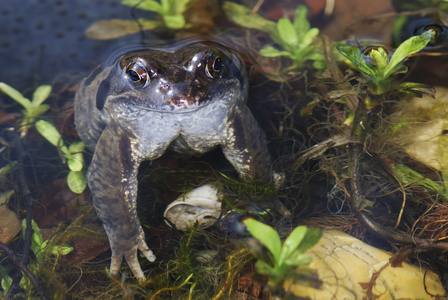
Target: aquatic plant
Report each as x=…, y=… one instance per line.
x=73, y=154
x=284, y=257
x=171, y=11
x=294, y=40
x=40, y=248
x=374, y=77
x=32, y=108
x=380, y=70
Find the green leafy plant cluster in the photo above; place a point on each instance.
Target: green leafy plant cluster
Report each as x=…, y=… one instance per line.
x=35, y=108
x=40, y=248
x=379, y=70
x=284, y=257
x=32, y=108
x=171, y=11
x=295, y=39
x=73, y=154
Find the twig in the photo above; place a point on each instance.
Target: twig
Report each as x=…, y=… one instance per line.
x=16, y=261
x=398, y=238
x=24, y=193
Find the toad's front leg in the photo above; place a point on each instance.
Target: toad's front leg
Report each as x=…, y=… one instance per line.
x=112, y=178
x=245, y=146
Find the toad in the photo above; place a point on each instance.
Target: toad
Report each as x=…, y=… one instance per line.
x=189, y=99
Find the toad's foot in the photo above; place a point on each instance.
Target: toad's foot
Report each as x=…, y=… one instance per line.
x=132, y=259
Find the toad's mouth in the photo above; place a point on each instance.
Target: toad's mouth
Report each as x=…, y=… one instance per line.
x=187, y=103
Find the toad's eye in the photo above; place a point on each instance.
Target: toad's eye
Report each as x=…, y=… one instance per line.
x=439, y=30
x=214, y=65
x=137, y=74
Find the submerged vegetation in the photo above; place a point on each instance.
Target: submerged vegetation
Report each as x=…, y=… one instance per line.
x=336, y=135
x=284, y=257
x=296, y=39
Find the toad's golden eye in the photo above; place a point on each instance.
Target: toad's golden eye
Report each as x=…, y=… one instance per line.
x=137, y=74
x=214, y=65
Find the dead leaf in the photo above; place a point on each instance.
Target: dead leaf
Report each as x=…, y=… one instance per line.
x=115, y=28
x=10, y=224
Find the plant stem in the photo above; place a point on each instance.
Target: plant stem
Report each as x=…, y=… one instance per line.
x=16, y=261
x=358, y=135
x=358, y=201
x=328, y=46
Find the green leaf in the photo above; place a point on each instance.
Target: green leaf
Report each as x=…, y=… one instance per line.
x=408, y=47
x=416, y=89
x=61, y=250
x=180, y=6
x=292, y=242
x=298, y=259
x=243, y=17
x=35, y=112
x=270, y=51
x=312, y=236
x=355, y=56
x=308, y=38
x=49, y=132
x=40, y=95
x=76, y=147
x=287, y=31
x=7, y=169
x=5, y=196
x=380, y=58
x=301, y=23
x=167, y=6
x=174, y=21
x=6, y=280
x=264, y=268
x=145, y=5
x=76, y=181
x=36, y=238
x=266, y=235
x=16, y=95
x=75, y=164
x=407, y=176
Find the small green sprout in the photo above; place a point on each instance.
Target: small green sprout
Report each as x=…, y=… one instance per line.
x=171, y=11
x=286, y=257
x=32, y=109
x=380, y=70
x=39, y=245
x=294, y=38
x=76, y=179
x=39, y=248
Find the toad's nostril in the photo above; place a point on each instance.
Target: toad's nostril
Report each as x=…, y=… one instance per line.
x=164, y=87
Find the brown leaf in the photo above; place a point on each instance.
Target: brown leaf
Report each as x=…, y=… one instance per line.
x=9, y=224
x=87, y=250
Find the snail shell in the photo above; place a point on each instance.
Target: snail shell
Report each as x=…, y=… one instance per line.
x=202, y=204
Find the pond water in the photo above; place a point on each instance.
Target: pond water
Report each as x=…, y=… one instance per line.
x=300, y=99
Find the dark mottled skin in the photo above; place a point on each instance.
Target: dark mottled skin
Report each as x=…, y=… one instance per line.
x=189, y=99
